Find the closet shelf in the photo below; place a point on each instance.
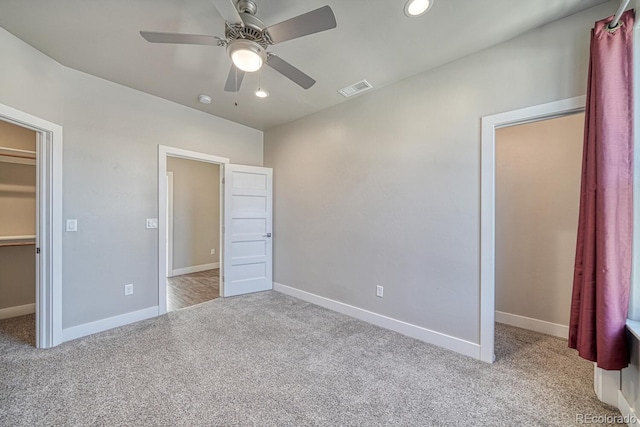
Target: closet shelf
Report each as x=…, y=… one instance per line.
x=14, y=152
x=14, y=155
x=8, y=188
x=24, y=237
x=17, y=240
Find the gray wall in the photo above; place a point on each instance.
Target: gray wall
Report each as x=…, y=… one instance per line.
x=111, y=138
x=17, y=218
x=538, y=169
x=196, y=212
x=29, y=80
x=384, y=189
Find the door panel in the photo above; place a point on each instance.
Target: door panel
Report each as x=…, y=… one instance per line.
x=247, y=264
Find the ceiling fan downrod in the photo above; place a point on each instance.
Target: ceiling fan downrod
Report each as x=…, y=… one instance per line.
x=247, y=6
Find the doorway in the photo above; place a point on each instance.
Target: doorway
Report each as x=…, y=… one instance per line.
x=246, y=212
x=18, y=280
x=193, y=232
x=490, y=124
x=45, y=241
x=172, y=158
x=538, y=172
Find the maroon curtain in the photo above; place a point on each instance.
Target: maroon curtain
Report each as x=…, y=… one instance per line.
x=603, y=253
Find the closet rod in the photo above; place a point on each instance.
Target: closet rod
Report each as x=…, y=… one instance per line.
x=3, y=245
x=616, y=19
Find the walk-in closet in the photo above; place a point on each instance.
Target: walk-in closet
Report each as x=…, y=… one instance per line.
x=17, y=221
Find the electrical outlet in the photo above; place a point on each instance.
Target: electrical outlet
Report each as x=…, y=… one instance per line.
x=213, y=251
x=379, y=291
x=152, y=222
x=128, y=289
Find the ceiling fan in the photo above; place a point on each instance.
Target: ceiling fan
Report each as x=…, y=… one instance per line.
x=246, y=39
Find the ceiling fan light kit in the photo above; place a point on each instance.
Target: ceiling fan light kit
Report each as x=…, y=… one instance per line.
x=246, y=38
x=247, y=55
x=415, y=8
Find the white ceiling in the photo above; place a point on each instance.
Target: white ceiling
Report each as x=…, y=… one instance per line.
x=373, y=41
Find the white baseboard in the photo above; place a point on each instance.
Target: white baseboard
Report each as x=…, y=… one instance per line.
x=194, y=269
x=536, y=325
x=74, y=332
x=628, y=414
x=19, y=310
x=432, y=337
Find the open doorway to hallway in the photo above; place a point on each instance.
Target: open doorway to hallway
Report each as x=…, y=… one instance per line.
x=193, y=232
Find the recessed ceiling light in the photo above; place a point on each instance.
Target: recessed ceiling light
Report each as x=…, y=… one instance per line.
x=204, y=99
x=261, y=93
x=415, y=8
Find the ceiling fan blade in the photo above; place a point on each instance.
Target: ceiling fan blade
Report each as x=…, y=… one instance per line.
x=154, y=37
x=289, y=71
x=234, y=79
x=227, y=9
x=302, y=25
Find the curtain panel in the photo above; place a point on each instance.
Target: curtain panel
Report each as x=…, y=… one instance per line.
x=602, y=272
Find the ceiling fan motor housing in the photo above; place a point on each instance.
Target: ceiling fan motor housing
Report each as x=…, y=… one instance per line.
x=253, y=28
x=247, y=38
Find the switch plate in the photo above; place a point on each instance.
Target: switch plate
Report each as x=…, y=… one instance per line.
x=128, y=289
x=152, y=222
x=379, y=291
x=72, y=225
x=213, y=251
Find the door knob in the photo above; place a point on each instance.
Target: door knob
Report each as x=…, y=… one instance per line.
x=267, y=235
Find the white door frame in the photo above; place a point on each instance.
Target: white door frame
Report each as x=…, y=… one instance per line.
x=49, y=223
x=488, y=201
x=164, y=152
x=169, y=272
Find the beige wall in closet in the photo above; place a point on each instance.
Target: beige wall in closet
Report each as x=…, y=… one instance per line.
x=538, y=168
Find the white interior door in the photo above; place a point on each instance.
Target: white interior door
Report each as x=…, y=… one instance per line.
x=247, y=262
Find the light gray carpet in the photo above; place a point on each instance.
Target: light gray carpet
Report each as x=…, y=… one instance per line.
x=268, y=359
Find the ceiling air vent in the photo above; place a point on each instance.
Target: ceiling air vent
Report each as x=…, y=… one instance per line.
x=355, y=88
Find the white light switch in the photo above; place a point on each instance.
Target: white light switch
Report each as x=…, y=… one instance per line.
x=152, y=222
x=213, y=251
x=72, y=225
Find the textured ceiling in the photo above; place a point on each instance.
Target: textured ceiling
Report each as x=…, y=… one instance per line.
x=373, y=41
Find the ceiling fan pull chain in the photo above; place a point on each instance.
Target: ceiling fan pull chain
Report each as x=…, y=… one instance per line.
x=236, y=93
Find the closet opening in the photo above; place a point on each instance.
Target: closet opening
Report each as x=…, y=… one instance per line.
x=18, y=229
x=537, y=201
x=496, y=307
x=46, y=230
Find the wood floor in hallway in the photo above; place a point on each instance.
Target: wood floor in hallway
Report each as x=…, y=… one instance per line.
x=190, y=289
